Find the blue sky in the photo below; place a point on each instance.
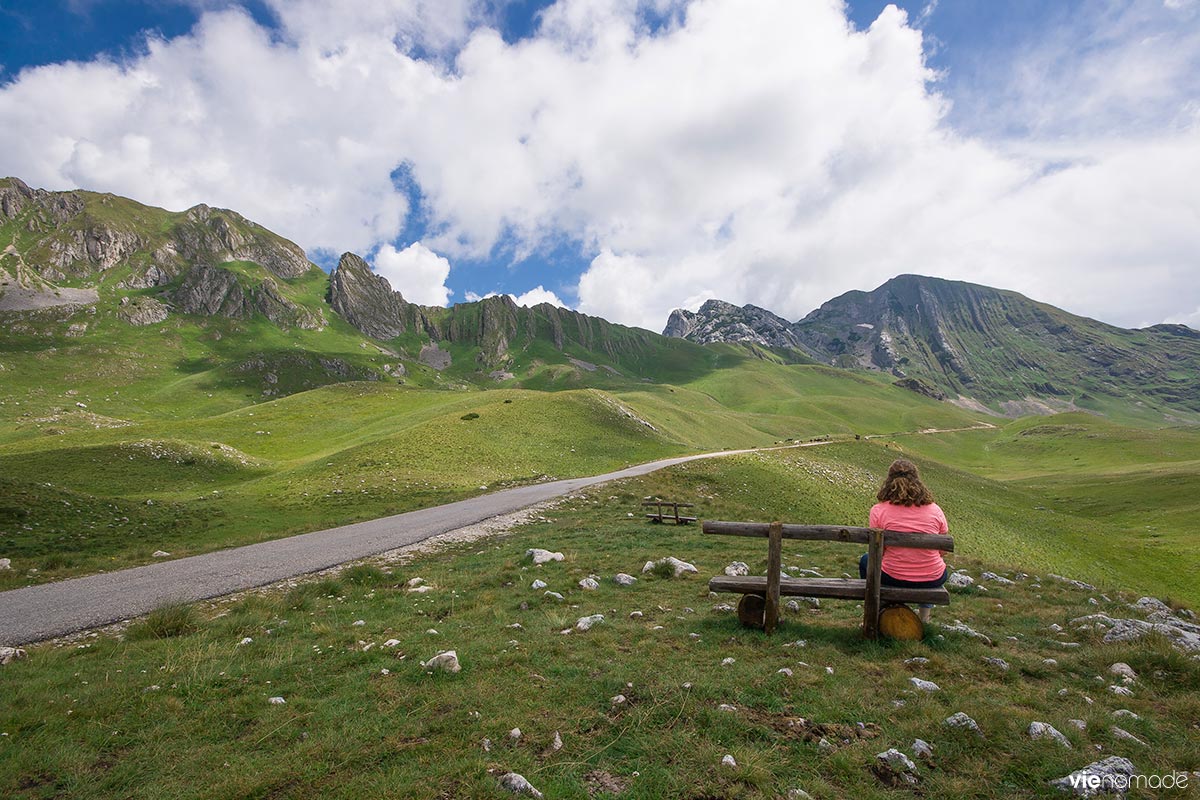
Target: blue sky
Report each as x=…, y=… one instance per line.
x=629, y=157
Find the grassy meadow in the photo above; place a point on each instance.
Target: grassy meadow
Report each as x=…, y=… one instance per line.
x=175, y=707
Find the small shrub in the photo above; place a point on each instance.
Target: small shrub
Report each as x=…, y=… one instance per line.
x=470, y=416
x=663, y=569
x=363, y=574
x=506, y=402
x=165, y=622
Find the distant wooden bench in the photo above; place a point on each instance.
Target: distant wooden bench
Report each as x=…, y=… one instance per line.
x=882, y=605
x=660, y=516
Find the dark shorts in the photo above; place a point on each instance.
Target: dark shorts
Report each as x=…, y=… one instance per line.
x=888, y=580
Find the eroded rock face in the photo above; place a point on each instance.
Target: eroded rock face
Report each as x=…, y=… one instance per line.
x=214, y=291
x=718, y=321
x=366, y=300
x=218, y=235
x=143, y=311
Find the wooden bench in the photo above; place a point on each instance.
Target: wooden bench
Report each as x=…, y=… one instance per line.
x=883, y=608
x=660, y=515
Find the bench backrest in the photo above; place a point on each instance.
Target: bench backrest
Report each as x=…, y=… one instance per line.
x=833, y=533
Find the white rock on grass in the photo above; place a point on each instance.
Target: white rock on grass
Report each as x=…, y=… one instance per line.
x=1121, y=733
x=1078, y=723
x=587, y=623
x=999, y=663
x=160, y=554
x=961, y=721
x=1123, y=691
x=444, y=662
x=1151, y=605
x=787, y=673
x=5, y=563
x=276, y=701
x=729, y=661
x=517, y=784
x=728, y=761
x=798, y=794
x=895, y=767
x=924, y=686
x=246, y=640
x=1125, y=713
x=1183, y=634
x=961, y=627
x=515, y=734
x=589, y=584
x=415, y=582
x=737, y=569
x=557, y=743
x=538, y=584
x=636, y=615
x=994, y=578
x=922, y=749
x=391, y=643
x=11, y=654
x=541, y=556
x=960, y=580
x=680, y=567
x=1043, y=730
x=554, y=596
x=916, y=661
x=618, y=700
x=1123, y=670
x=624, y=579
x=1099, y=777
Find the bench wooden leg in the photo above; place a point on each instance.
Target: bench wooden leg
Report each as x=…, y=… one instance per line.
x=901, y=622
x=750, y=610
x=874, y=573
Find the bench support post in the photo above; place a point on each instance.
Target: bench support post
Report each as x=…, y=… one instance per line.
x=874, y=571
x=774, y=567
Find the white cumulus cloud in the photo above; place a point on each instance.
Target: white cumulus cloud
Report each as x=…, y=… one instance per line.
x=416, y=272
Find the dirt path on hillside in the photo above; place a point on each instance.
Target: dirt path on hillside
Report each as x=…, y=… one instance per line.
x=38, y=613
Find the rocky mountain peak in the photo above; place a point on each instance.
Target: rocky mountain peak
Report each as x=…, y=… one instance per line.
x=719, y=321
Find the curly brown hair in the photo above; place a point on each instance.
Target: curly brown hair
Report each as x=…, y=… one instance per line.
x=903, y=485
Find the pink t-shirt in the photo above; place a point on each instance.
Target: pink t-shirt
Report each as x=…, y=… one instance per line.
x=910, y=563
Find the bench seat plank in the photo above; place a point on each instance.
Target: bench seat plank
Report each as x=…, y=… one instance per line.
x=835, y=588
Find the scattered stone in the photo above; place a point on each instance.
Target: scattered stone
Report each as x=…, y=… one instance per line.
x=798, y=794
x=960, y=580
x=538, y=584
x=391, y=643
x=1121, y=733
x=996, y=662
x=246, y=640
x=736, y=569
x=618, y=700
x=622, y=579
x=1054, y=626
x=962, y=721
x=922, y=749
x=413, y=583
x=725, y=662
x=5, y=563
x=694, y=636
x=554, y=596
x=680, y=567
x=1151, y=605
x=1087, y=587
x=924, y=686
x=588, y=584
x=728, y=708
x=994, y=578
x=1125, y=713
x=487, y=745
x=541, y=556
x=517, y=784
x=728, y=761
x=276, y=701
x=358, y=623
x=825, y=746
x=11, y=654
x=160, y=554
x=960, y=627
x=916, y=661
x=445, y=662
x=1078, y=723
x=723, y=608
x=787, y=673
x=636, y=615
x=1123, y=691
x=895, y=769
x=1183, y=634
x=1043, y=730
x=557, y=743
x=586, y=623
x=1123, y=670
x=515, y=734
x=1100, y=777
x=421, y=589
x=1049, y=662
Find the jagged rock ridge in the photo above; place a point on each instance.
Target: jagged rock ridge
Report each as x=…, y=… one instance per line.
x=975, y=344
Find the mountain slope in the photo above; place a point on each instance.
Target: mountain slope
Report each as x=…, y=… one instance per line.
x=981, y=346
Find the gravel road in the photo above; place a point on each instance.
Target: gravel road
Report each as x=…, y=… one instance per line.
x=37, y=613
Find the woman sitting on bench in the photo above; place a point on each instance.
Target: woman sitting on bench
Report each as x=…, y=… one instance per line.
x=906, y=505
